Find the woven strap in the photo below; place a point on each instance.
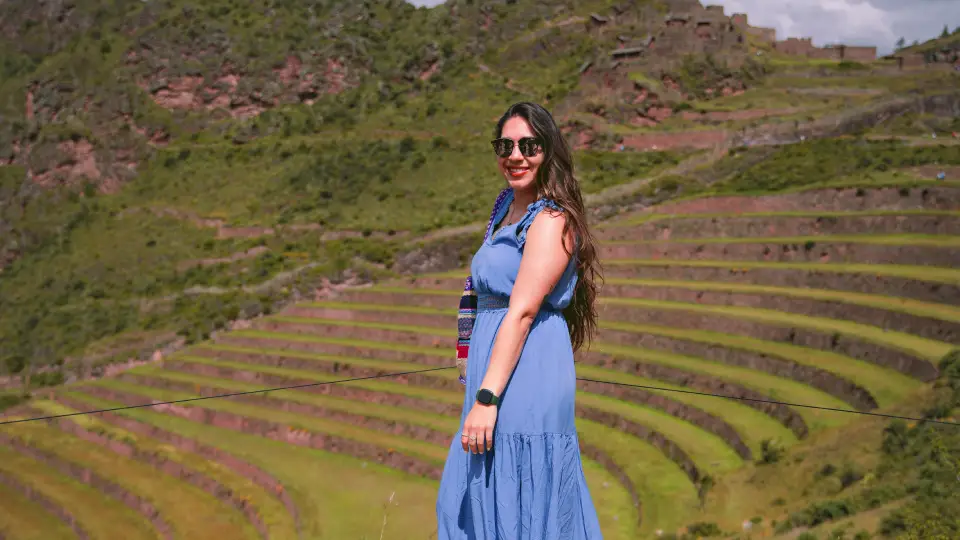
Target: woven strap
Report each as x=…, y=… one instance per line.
x=468, y=301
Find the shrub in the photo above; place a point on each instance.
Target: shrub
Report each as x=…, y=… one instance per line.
x=771, y=451
x=704, y=529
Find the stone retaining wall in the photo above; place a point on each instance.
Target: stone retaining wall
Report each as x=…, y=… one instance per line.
x=247, y=470
x=821, y=200
x=610, y=465
x=391, y=427
x=172, y=468
x=640, y=431
x=341, y=390
x=370, y=315
x=697, y=417
x=279, y=432
x=702, y=383
x=744, y=227
x=809, y=252
x=415, y=432
x=87, y=476
x=844, y=344
x=831, y=383
x=428, y=357
x=47, y=504
x=702, y=419
x=888, y=319
x=861, y=282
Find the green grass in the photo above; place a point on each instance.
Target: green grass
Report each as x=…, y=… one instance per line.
x=279, y=522
x=301, y=470
x=354, y=509
x=666, y=494
x=189, y=510
x=924, y=348
x=426, y=452
x=923, y=240
x=374, y=385
x=687, y=434
x=776, y=388
x=24, y=519
x=711, y=454
x=885, y=385
x=903, y=305
x=98, y=514
x=752, y=425
x=373, y=410
x=376, y=345
x=921, y=273
x=611, y=500
x=644, y=218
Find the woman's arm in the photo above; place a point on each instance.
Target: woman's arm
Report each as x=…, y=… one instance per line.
x=543, y=262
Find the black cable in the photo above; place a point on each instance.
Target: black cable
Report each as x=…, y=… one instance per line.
x=216, y=396
x=306, y=385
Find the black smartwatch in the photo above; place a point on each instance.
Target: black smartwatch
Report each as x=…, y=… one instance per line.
x=487, y=397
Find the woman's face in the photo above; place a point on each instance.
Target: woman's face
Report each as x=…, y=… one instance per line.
x=519, y=170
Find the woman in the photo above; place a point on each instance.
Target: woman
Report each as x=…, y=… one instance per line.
x=514, y=471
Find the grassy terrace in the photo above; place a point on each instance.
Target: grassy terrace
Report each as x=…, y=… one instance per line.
x=354, y=509
x=279, y=523
x=22, y=518
x=920, y=273
x=616, y=507
x=887, y=386
x=751, y=424
x=669, y=426
x=708, y=451
x=426, y=452
x=929, y=349
x=189, y=511
x=650, y=218
x=667, y=498
x=927, y=240
x=98, y=514
x=924, y=309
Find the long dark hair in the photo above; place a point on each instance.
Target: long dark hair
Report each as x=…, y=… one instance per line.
x=556, y=181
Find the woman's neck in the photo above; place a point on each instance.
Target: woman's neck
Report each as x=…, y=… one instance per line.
x=525, y=198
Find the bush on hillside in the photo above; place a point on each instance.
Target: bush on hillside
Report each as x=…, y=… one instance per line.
x=771, y=451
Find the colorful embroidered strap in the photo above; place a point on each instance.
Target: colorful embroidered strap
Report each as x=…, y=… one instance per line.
x=468, y=301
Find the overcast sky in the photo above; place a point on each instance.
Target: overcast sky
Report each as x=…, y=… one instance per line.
x=854, y=22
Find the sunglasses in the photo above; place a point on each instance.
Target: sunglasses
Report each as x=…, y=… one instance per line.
x=529, y=146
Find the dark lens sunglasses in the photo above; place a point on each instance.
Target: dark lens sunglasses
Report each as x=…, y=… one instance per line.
x=529, y=146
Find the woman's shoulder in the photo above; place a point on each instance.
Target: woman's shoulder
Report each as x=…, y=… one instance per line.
x=544, y=204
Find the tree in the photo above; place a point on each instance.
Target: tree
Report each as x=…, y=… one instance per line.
x=946, y=32
x=900, y=44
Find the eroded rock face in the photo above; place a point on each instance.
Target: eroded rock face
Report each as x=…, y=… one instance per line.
x=238, y=90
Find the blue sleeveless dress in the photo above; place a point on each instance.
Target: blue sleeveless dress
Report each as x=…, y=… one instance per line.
x=531, y=486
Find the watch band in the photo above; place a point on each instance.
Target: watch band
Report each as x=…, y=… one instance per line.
x=487, y=397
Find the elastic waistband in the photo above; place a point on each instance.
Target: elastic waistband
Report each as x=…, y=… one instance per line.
x=493, y=303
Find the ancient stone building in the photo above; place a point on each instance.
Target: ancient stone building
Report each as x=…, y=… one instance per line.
x=805, y=47
x=765, y=35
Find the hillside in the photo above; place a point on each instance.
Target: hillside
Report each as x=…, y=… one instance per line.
x=200, y=199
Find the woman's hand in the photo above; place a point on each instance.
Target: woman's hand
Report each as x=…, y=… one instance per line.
x=478, y=428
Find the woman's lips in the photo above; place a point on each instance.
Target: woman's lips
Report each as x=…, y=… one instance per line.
x=517, y=172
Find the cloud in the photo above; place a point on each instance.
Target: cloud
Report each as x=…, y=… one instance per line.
x=852, y=22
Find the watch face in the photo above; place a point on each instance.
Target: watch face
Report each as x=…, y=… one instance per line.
x=485, y=397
